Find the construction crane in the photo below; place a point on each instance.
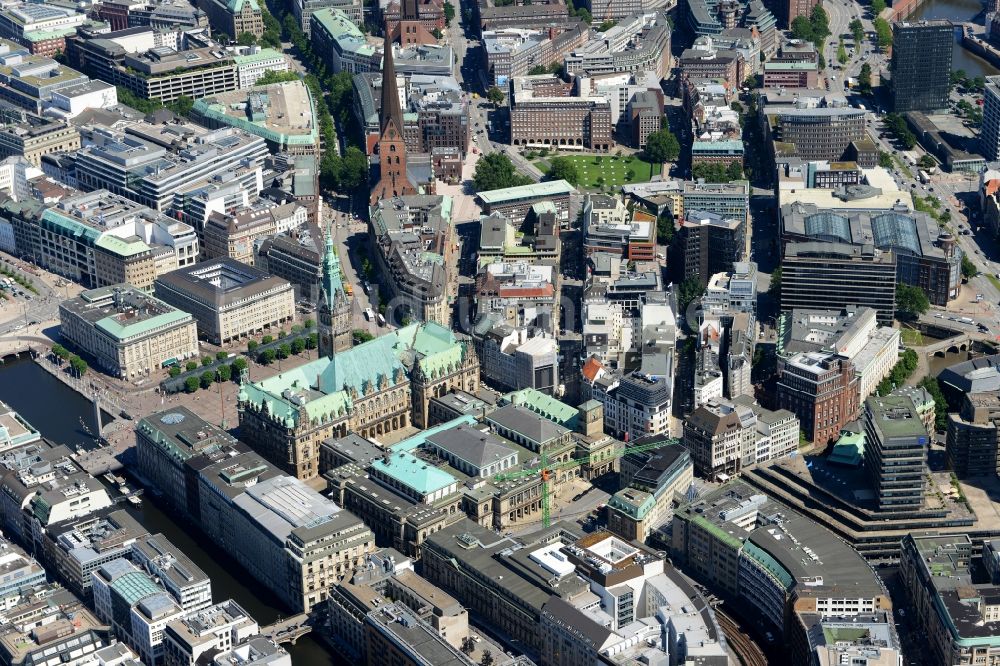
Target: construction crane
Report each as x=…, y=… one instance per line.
x=545, y=470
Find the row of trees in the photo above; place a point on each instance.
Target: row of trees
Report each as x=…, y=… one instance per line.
x=284, y=350
x=333, y=94
x=961, y=80
x=77, y=365
x=222, y=373
x=553, y=68
x=900, y=372
x=181, y=106
x=883, y=33
x=19, y=278
x=897, y=125
x=716, y=172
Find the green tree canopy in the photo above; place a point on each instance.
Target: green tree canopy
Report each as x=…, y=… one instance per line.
x=857, y=29
x=449, y=13
x=191, y=384
x=802, y=28
x=496, y=96
x=563, y=168
x=495, y=171
x=662, y=146
x=865, y=78
x=911, y=302
x=940, y=402
x=665, y=229
x=272, y=76
x=820, y=21
x=353, y=169
x=207, y=378
x=969, y=269
x=689, y=290
x=225, y=373
x=246, y=39
x=878, y=6
x=775, y=281
x=883, y=33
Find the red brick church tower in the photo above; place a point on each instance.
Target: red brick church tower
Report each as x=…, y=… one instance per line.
x=411, y=30
x=393, y=180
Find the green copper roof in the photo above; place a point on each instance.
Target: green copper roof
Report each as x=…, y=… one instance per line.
x=263, y=54
x=337, y=24
x=415, y=473
x=546, y=406
x=236, y=6
x=716, y=531
x=123, y=247
x=327, y=388
x=211, y=108
x=621, y=501
x=42, y=35
x=849, y=450
x=118, y=331
x=549, y=188
x=67, y=226
x=772, y=565
x=332, y=284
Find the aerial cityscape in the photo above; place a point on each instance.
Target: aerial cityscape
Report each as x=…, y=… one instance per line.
x=500, y=332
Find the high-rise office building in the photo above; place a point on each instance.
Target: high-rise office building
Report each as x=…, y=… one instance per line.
x=989, y=135
x=833, y=276
x=921, y=65
x=708, y=243
x=896, y=444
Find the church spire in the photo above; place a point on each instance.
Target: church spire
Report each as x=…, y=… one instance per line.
x=393, y=180
x=390, y=110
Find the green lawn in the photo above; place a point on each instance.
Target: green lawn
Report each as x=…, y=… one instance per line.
x=911, y=337
x=614, y=171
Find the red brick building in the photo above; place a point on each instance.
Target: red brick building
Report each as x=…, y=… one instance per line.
x=821, y=389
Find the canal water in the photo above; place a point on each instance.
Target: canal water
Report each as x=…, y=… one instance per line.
x=56, y=411
x=957, y=10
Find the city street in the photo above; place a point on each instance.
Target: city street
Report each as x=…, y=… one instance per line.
x=959, y=196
